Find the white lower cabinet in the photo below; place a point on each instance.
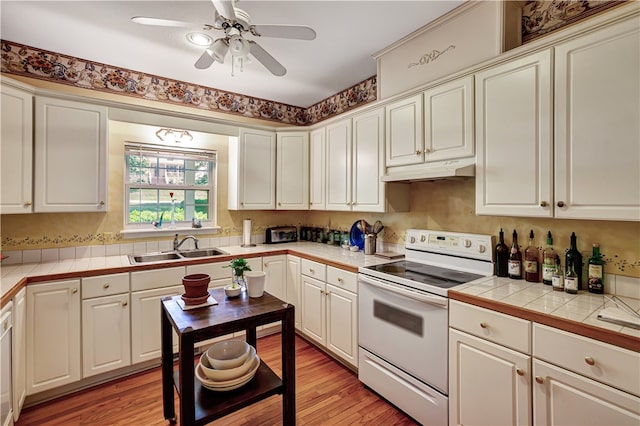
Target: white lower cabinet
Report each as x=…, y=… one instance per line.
x=19, y=351
x=293, y=286
x=330, y=309
x=53, y=335
x=276, y=279
x=489, y=384
x=147, y=289
x=106, y=331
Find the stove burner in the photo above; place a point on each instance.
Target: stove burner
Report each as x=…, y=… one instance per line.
x=427, y=274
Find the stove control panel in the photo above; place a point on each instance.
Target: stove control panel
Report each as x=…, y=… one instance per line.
x=475, y=246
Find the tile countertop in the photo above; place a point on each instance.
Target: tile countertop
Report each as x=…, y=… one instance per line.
x=540, y=303
x=14, y=277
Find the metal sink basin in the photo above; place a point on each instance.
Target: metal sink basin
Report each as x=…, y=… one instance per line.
x=137, y=259
x=153, y=257
x=202, y=253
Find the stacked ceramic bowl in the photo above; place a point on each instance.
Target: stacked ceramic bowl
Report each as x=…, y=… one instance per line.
x=227, y=365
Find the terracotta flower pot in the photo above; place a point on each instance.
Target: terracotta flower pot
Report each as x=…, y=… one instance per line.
x=195, y=285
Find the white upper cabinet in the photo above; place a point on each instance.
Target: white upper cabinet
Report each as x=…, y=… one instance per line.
x=448, y=120
x=368, y=193
x=338, y=158
x=292, y=182
x=317, y=170
x=513, y=138
x=404, y=132
x=597, y=125
x=70, y=156
x=252, y=170
x=16, y=150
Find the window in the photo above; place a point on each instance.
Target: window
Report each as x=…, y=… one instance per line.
x=160, y=180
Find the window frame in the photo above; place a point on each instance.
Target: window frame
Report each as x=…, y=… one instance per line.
x=141, y=148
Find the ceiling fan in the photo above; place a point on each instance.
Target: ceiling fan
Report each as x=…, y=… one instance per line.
x=236, y=23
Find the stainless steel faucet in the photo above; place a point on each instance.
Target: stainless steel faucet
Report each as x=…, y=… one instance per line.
x=177, y=244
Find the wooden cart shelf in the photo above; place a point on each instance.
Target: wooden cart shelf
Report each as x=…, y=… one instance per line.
x=202, y=405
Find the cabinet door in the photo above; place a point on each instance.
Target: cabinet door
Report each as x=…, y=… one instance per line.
x=513, y=138
x=70, y=156
x=145, y=323
x=597, y=125
x=342, y=323
x=313, y=309
x=257, y=170
x=448, y=120
x=339, y=165
x=293, y=286
x=404, y=132
x=317, y=170
x=276, y=280
x=564, y=398
x=488, y=384
x=19, y=352
x=53, y=335
x=105, y=334
x=292, y=159
x=368, y=162
x=16, y=150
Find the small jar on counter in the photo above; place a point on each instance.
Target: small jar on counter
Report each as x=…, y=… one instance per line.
x=557, y=279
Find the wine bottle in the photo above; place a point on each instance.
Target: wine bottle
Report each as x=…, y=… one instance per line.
x=502, y=257
x=550, y=260
x=574, y=257
x=531, y=259
x=596, y=271
x=571, y=280
x=557, y=281
x=515, y=259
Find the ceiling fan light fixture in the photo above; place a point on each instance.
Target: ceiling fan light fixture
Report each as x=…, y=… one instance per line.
x=219, y=50
x=238, y=46
x=199, y=39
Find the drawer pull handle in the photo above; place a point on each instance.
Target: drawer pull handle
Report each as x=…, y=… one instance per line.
x=520, y=371
x=106, y=285
x=484, y=325
x=339, y=280
x=74, y=290
x=589, y=360
x=312, y=271
x=125, y=303
x=539, y=379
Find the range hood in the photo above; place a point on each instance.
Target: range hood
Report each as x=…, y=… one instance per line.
x=449, y=169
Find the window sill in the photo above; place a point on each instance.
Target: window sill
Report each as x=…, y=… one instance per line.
x=162, y=232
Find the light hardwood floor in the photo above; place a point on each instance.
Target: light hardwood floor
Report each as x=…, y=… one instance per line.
x=327, y=393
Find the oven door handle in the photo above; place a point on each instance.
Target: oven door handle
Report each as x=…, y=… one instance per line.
x=420, y=297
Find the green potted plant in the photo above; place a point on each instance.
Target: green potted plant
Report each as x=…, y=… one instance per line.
x=239, y=267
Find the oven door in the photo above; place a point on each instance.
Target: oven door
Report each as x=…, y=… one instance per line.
x=405, y=327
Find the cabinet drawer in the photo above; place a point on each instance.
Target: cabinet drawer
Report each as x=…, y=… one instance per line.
x=313, y=269
x=157, y=278
x=599, y=361
x=216, y=270
x=343, y=279
x=499, y=328
x=105, y=285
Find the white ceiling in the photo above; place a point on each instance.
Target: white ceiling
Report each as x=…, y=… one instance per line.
x=348, y=33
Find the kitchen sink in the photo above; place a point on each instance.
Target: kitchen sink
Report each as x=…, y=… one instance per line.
x=202, y=253
x=137, y=259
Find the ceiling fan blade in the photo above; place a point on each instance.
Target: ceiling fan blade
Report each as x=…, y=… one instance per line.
x=165, y=22
x=204, y=61
x=267, y=60
x=297, y=32
x=225, y=8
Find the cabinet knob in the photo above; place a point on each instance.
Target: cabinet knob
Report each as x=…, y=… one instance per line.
x=539, y=379
x=339, y=280
x=106, y=285
x=543, y=204
x=101, y=203
x=418, y=152
x=589, y=360
x=519, y=371
x=427, y=150
x=27, y=203
x=74, y=290
x=312, y=271
x=484, y=325
x=279, y=203
x=561, y=204
x=125, y=303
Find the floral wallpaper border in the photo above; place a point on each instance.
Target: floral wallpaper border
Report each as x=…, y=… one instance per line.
x=32, y=62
